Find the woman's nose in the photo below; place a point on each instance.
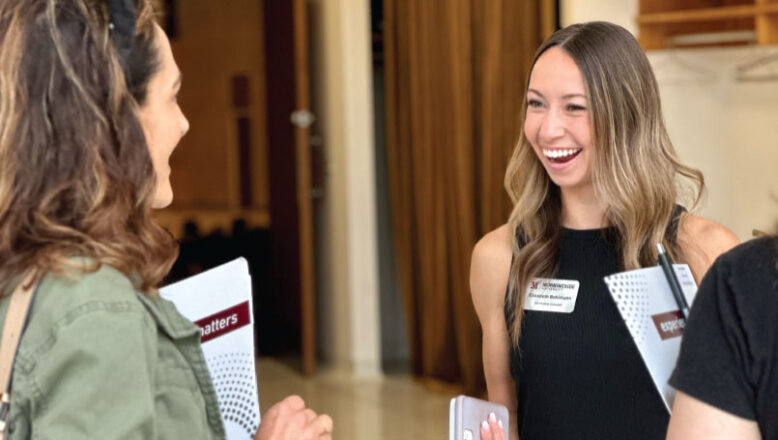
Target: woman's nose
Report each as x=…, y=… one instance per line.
x=552, y=126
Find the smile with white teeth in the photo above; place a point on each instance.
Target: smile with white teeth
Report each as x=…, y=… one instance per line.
x=561, y=155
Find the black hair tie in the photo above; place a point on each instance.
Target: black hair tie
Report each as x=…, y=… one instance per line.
x=122, y=26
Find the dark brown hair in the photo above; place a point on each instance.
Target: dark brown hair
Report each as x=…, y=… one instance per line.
x=76, y=177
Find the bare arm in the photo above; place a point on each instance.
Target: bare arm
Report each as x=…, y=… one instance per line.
x=694, y=419
x=489, y=269
x=702, y=241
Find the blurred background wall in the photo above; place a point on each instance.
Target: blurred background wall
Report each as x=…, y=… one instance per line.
x=347, y=252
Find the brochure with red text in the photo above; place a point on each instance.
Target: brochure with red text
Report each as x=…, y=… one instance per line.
x=651, y=313
x=220, y=302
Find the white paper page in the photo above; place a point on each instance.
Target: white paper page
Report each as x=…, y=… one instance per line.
x=220, y=302
x=647, y=305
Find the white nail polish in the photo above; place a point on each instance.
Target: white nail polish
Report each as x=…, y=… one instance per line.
x=492, y=417
x=499, y=423
x=484, y=425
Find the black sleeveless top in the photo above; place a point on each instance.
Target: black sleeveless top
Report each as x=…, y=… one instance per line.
x=579, y=375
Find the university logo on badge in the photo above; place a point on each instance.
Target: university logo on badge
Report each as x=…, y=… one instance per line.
x=534, y=284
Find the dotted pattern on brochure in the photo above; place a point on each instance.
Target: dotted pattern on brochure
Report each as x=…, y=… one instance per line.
x=630, y=291
x=233, y=379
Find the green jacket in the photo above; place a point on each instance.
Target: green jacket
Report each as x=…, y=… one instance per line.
x=100, y=360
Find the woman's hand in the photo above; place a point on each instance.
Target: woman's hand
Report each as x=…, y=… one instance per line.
x=289, y=419
x=492, y=429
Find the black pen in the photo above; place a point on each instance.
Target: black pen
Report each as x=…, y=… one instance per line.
x=675, y=286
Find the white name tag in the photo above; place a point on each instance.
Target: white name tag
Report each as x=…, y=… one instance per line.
x=548, y=295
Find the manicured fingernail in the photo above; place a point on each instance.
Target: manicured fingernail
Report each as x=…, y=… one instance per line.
x=492, y=417
x=499, y=423
x=484, y=425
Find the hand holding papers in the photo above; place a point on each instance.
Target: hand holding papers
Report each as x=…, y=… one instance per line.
x=651, y=313
x=219, y=301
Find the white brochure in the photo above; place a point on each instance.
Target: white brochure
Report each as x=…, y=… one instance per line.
x=647, y=304
x=219, y=301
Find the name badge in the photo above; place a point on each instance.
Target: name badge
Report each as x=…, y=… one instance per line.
x=549, y=295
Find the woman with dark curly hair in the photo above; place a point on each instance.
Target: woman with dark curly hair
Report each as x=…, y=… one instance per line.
x=88, y=121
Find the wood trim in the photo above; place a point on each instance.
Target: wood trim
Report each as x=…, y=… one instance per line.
x=304, y=200
x=766, y=25
x=708, y=14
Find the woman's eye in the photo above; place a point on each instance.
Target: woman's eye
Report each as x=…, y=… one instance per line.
x=575, y=107
x=534, y=103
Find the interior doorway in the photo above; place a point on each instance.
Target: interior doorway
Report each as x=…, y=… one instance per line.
x=241, y=177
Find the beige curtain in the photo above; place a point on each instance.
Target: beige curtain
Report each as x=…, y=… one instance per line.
x=455, y=73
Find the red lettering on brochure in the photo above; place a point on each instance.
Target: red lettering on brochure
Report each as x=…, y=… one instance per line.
x=223, y=322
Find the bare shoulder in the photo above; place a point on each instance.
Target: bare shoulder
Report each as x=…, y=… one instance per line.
x=493, y=248
x=489, y=268
x=702, y=241
x=710, y=237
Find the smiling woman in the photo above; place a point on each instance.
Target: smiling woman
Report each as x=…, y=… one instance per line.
x=594, y=181
x=557, y=123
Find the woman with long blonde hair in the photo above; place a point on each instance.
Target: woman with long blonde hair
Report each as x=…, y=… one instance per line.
x=596, y=184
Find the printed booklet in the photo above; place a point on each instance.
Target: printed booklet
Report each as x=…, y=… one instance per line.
x=220, y=302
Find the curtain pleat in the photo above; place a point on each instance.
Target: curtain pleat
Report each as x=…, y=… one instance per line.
x=455, y=78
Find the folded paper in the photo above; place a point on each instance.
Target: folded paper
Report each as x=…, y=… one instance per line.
x=649, y=310
x=220, y=302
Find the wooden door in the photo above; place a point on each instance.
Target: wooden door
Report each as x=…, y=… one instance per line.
x=289, y=124
x=302, y=119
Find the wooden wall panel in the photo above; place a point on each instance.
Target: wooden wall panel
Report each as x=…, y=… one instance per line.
x=214, y=43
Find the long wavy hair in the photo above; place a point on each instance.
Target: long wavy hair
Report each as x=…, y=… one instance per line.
x=635, y=168
x=76, y=177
